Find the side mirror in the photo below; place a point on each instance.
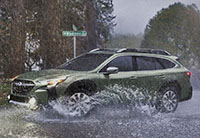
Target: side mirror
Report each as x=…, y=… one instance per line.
x=111, y=70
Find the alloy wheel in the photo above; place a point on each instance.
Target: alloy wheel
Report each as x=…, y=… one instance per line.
x=79, y=104
x=170, y=101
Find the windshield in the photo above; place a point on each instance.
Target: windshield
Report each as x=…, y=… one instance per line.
x=86, y=62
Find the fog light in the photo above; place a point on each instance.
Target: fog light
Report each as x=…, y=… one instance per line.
x=32, y=103
x=8, y=97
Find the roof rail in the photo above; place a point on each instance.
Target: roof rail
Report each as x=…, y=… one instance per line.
x=143, y=50
x=121, y=50
x=105, y=50
x=135, y=50
x=94, y=50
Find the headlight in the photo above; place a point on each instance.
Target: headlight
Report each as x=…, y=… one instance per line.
x=55, y=82
x=51, y=82
x=13, y=78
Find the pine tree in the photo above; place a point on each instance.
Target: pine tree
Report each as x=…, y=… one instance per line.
x=175, y=30
x=13, y=37
x=31, y=31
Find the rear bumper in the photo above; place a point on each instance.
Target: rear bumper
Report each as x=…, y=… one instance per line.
x=189, y=95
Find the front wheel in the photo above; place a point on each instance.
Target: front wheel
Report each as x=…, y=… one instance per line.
x=168, y=100
x=80, y=104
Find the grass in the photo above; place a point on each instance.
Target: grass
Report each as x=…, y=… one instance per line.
x=4, y=91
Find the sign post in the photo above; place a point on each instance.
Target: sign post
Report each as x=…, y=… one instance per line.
x=74, y=29
x=74, y=33
x=74, y=46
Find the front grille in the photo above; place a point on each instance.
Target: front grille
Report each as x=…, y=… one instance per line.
x=22, y=87
x=18, y=99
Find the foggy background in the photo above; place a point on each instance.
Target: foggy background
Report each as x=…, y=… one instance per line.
x=31, y=35
x=133, y=15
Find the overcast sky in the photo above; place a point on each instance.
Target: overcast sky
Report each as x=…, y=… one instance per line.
x=133, y=15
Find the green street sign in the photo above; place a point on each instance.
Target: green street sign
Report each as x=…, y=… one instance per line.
x=72, y=33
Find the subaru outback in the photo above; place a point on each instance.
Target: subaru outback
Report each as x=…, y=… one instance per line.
x=81, y=77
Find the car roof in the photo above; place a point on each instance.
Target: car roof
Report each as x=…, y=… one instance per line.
x=135, y=52
x=129, y=50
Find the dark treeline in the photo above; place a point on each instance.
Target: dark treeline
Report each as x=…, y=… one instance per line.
x=31, y=31
x=177, y=30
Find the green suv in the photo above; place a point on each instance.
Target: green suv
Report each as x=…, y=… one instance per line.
x=81, y=77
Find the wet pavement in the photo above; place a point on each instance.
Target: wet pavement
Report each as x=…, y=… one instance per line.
x=117, y=122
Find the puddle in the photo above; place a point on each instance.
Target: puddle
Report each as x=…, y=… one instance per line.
x=114, y=120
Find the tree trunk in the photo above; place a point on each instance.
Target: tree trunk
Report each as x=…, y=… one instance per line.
x=91, y=25
x=50, y=34
x=17, y=43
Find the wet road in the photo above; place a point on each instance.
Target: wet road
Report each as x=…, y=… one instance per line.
x=109, y=122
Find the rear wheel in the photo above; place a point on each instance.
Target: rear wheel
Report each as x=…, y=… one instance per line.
x=168, y=99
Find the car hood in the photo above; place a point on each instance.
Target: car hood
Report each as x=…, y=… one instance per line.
x=45, y=74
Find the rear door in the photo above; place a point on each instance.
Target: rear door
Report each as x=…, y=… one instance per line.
x=151, y=72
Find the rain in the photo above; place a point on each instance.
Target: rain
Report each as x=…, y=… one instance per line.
x=47, y=45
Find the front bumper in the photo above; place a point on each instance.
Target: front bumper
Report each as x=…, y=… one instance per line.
x=30, y=103
x=37, y=97
x=19, y=103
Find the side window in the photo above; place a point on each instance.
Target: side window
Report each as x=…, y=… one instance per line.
x=166, y=63
x=124, y=63
x=158, y=65
x=151, y=63
x=145, y=63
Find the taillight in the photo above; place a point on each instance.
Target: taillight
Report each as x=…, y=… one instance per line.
x=188, y=74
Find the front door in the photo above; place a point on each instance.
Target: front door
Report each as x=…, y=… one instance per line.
x=124, y=78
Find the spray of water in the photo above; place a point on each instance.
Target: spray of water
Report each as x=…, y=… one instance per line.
x=133, y=99
x=129, y=96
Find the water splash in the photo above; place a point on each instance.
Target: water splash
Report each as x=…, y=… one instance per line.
x=114, y=97
x=129, y=96
x=71, y=107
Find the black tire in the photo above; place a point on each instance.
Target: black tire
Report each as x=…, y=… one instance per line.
x=168, y=99
x=82, y=87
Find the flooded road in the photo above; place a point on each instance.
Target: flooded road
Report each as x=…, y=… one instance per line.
x=103, y=122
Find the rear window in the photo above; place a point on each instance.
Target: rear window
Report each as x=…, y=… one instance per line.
x=151, y=63
x=166, y=63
